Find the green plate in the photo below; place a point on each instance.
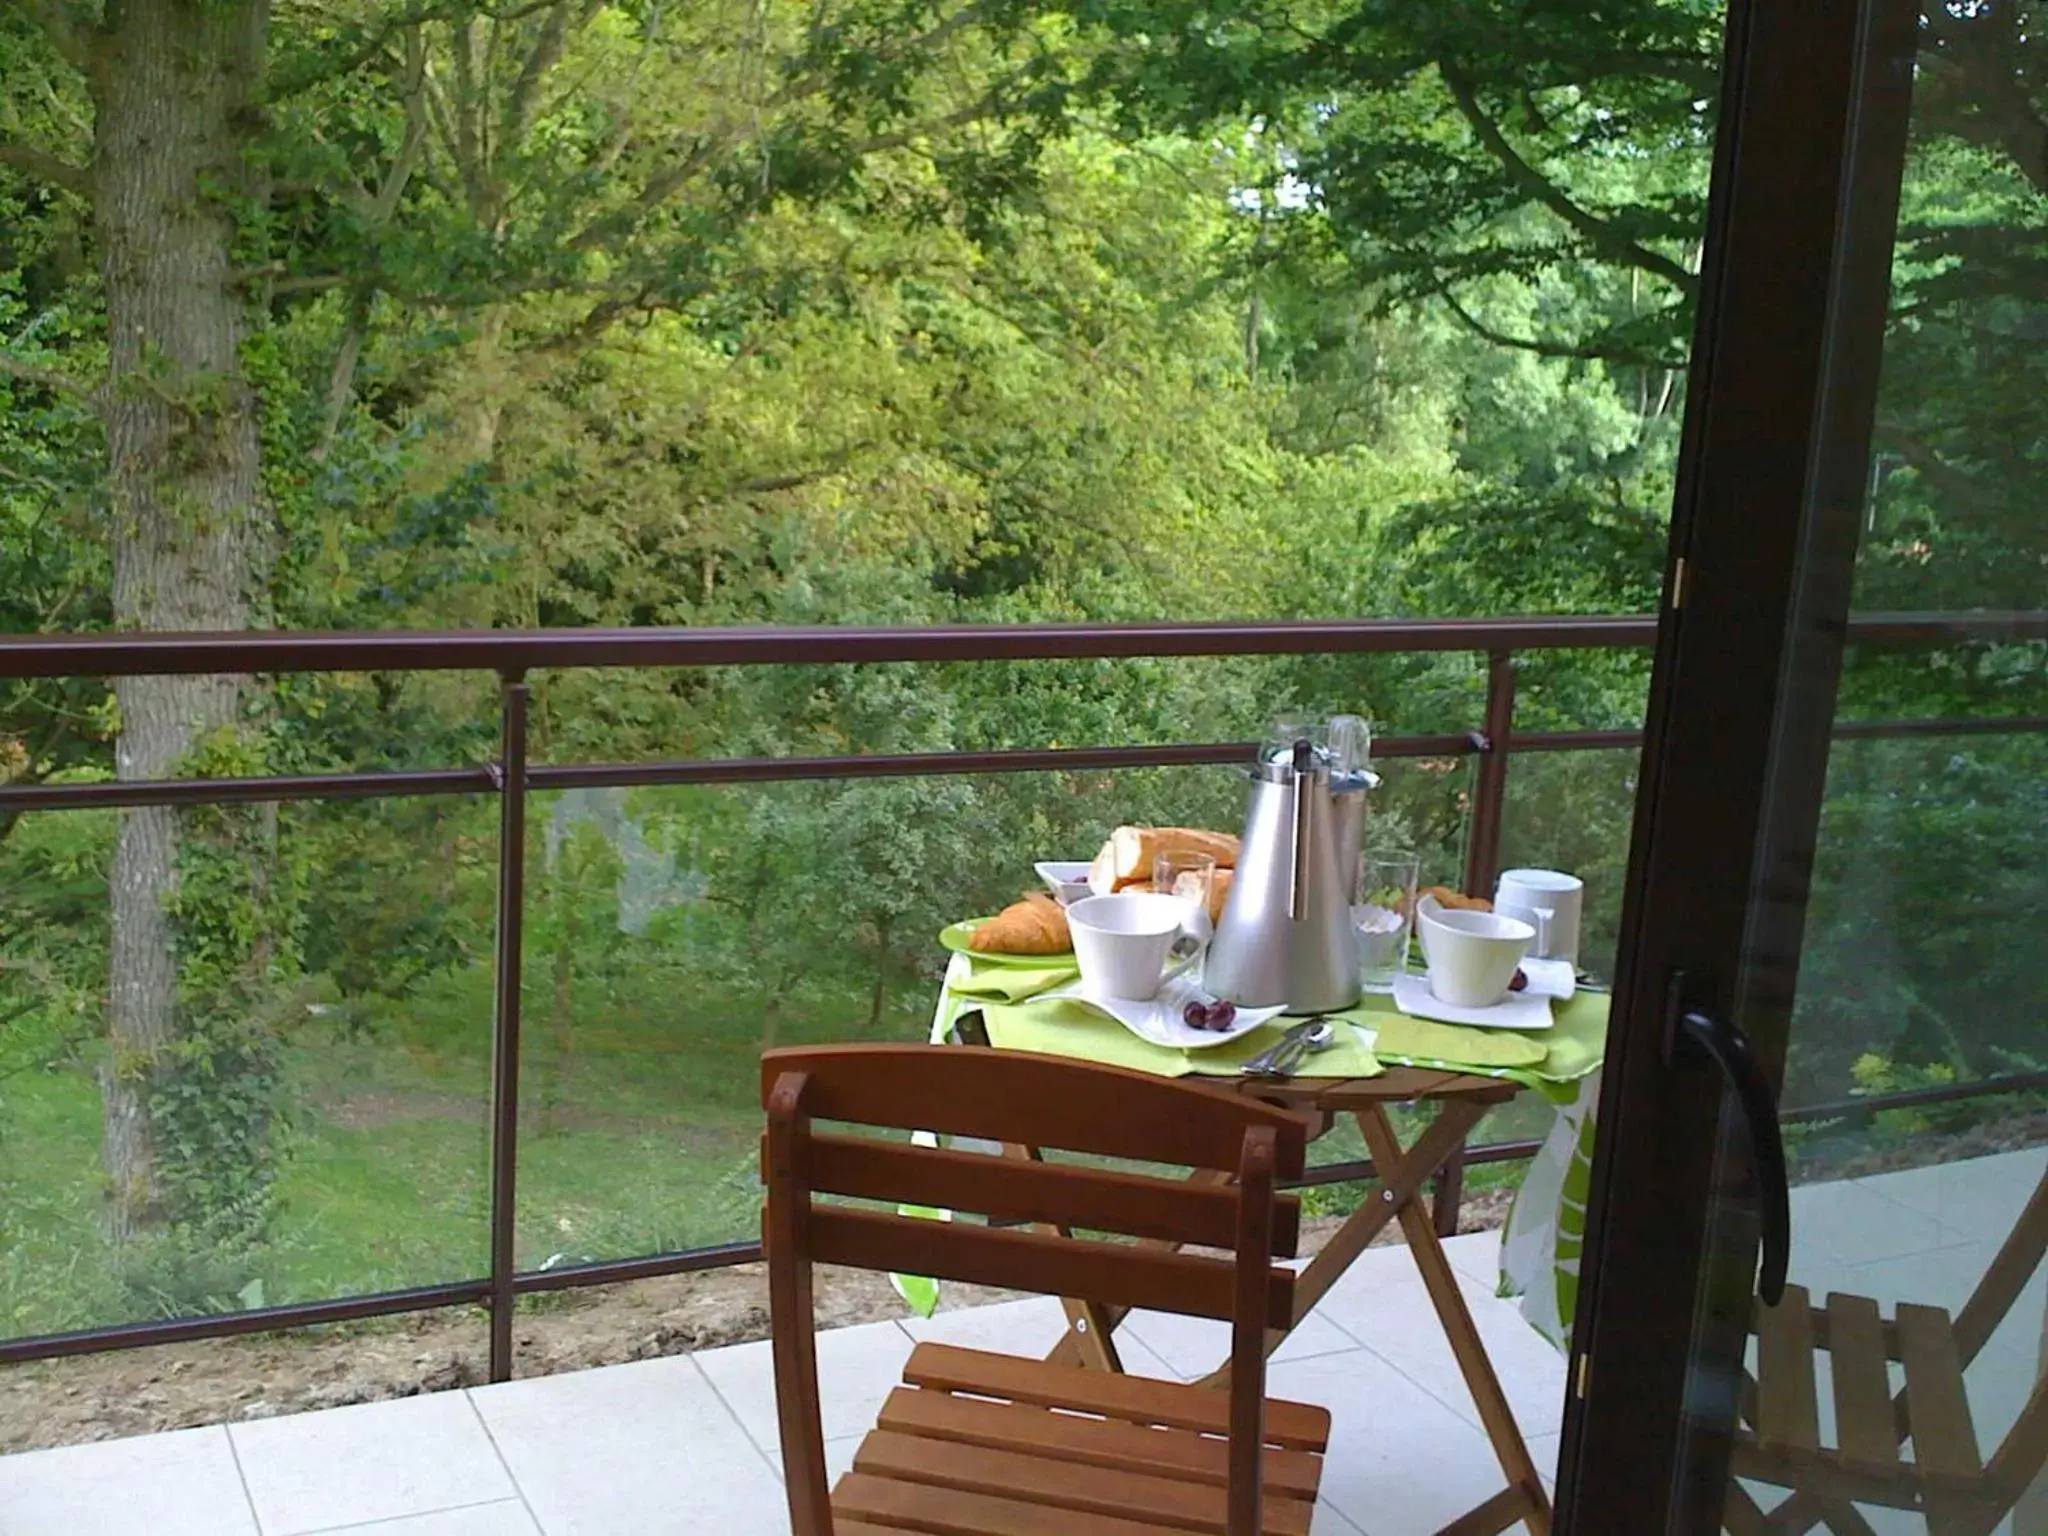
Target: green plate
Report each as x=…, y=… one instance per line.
x=954, y=937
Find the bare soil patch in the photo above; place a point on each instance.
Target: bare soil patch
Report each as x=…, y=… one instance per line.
x=141, y=1391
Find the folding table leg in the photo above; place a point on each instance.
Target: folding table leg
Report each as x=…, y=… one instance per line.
x=1090, y=1339
x=1398, y=1183
x=1427, y=1249
x=1087, y=1341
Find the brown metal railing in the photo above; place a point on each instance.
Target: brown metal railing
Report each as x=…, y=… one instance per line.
x=513, y=654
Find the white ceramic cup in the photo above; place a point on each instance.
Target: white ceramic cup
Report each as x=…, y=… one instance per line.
x=1122, y=941
x=1472, y=955
x=1548, y=900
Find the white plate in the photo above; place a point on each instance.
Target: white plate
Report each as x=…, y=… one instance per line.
x=1066, y=879
x=1157, y=1020
x=1550, y=978
x=1528, y=1010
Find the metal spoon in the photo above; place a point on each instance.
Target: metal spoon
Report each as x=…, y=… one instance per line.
x=1319, y=1037
x=1262, y=1064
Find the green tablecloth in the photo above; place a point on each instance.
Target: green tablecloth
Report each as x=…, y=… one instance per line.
x=1546, y=1227
x=1550, y=1061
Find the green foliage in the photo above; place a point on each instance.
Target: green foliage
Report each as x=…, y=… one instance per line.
x=865, y=313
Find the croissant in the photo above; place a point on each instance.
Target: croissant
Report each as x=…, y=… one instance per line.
x=1455, y=901
x=1036, y=925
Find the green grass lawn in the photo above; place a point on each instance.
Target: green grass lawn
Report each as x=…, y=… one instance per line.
x=639, y=1137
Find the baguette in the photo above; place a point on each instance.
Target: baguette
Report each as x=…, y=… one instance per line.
x=1190, y=885
x=1127, y=858
x=1035, y=925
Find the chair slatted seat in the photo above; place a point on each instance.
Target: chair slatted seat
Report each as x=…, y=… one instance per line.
x=1916, y=1447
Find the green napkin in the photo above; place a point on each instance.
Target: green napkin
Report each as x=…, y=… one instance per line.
x=1577, y=1042
x=1401, y=1035
x=1013, y=983
x=1068, y=1028
x=1346, y=1056
x=1572, y=1047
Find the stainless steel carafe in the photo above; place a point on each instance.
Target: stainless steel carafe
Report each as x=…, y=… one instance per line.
x=1285, y=937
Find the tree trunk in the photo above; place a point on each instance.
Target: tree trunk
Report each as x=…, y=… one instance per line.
x=879, y=998
x=556, y=1092
x=174, y=86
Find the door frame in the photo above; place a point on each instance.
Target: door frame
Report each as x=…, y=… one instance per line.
x=1794, y=278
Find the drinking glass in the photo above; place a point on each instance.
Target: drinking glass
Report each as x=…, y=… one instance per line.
x=1192, y=877
x=1383, y=915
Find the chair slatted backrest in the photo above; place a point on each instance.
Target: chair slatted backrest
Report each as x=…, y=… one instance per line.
x=1048, y=1104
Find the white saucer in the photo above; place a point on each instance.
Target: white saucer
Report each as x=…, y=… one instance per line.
x=1527, y=1010
x=1550, y=978
x=1157, y=1020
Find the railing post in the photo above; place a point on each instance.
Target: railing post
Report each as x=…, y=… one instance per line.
x=1489, y=801
x=510, y=775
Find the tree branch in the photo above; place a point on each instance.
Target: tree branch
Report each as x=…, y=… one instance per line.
x=48, y=378
x=282, y=280
x=64, y=27
x=832, y=464
x=1976, y=86
x=1602, y=236
x=51, y=170
x=378, y=41
x=1586, y=352
x=1958, y=486
x=522, y=103
x=664, y=185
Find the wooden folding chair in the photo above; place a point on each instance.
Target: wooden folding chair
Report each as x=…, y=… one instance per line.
x=1946, y=1479
x=978, y=1444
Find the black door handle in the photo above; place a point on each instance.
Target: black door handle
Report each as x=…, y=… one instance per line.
x=1759, y=1105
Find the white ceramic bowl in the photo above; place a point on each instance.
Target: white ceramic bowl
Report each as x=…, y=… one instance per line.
x=1121, y=941
x=1067, y=880
x=1472, y=955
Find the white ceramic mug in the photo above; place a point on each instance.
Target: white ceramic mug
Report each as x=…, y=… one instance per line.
x=1122, y=941
x=1548, y=900
x=1472, y=955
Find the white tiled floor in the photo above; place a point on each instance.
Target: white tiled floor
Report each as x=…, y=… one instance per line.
x=688, y=1444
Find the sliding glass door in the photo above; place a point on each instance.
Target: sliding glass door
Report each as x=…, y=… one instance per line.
x=1813, y=1293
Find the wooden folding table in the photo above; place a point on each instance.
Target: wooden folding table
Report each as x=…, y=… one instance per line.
x=1402, y=1173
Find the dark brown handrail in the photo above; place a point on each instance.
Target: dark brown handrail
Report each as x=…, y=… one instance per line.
x=136, y=654
x=116, y=654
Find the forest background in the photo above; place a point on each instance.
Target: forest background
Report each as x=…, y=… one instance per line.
x=362, y=314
